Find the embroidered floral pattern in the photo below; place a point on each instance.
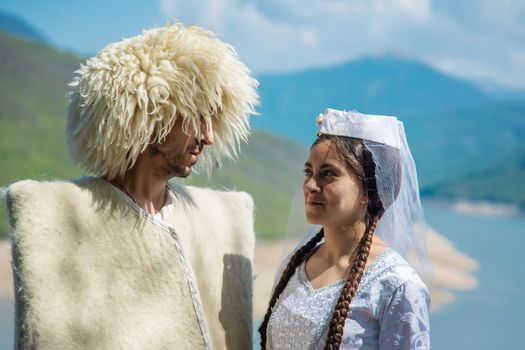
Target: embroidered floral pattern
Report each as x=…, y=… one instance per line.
x=389, y=311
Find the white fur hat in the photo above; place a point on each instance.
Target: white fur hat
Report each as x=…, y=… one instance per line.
x=131, y=93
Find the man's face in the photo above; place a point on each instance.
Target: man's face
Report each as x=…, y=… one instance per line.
x=180, y=151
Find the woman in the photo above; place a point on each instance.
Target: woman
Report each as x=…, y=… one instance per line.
x=354, y=290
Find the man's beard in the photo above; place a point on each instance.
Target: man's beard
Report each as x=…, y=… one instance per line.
x=175, y=167
x=173, y=164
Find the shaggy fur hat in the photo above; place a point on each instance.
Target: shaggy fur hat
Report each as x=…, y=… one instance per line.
x=131, y=93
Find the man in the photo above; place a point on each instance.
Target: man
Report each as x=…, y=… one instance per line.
x=125, y=260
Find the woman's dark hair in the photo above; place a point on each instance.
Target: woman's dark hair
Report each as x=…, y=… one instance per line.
x=358, y=158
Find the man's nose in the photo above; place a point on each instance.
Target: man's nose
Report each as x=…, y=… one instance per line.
x=206, y=133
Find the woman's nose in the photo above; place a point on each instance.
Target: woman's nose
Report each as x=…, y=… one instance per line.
x=311, y=185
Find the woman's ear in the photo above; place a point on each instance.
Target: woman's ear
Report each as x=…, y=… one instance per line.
x=363, y=201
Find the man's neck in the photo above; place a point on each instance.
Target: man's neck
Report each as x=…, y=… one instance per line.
x=144, y=188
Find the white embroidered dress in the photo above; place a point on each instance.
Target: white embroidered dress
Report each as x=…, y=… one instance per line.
x=389, y=310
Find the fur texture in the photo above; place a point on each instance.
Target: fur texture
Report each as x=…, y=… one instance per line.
x=131, y=93
x=91, y=272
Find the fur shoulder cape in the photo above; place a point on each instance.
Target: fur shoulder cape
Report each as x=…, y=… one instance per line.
x=94, y=272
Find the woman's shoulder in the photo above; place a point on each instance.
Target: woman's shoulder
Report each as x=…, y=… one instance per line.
x=389, y=272
x=391, y=282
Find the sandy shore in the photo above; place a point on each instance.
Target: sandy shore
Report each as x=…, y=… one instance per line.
x=6, y=276
x=486, y=208
x=453, y=270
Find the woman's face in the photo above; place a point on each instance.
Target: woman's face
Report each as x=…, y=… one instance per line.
x=333, y=193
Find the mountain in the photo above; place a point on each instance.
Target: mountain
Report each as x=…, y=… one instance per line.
x=16, y=26
x=33, y=84
x=502, y=93
x=453, y=126
x=503, y=183
x=379, y=85
x=465, y=141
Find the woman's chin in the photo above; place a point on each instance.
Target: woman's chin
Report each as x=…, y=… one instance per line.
x=314, y=218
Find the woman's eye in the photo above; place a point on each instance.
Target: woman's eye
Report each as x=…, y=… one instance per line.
x=307, y=172
x=329, y=173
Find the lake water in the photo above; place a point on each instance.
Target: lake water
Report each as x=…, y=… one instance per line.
x=6, y=324
x=489, y=317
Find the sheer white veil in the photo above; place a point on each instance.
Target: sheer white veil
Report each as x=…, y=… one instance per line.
x=402, y=226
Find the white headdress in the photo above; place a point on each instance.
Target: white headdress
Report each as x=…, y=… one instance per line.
x=402, y=225
x=131, y=93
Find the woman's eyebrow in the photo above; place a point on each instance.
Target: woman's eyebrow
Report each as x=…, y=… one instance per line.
x=324, y=165
x=328, y=165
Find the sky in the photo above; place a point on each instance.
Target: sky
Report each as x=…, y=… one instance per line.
x=477, y=40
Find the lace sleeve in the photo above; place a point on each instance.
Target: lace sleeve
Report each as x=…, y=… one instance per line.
x=405, y=323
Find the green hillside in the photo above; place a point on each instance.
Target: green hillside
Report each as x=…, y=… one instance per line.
x=33, y=84
x=465, y=141
x=269, y=168
x=504, y=183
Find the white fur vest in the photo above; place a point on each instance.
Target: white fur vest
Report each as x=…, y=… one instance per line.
x=93, y=272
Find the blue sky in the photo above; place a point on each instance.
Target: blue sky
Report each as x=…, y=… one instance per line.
x=480, y=40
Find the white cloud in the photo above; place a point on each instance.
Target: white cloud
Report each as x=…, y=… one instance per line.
x=310, y=9
x=518, y=58
x=212, y=13
x=309, y=37
x=265, y=43
x=282, y=35
x=416, y=8
x=481, y=71
x=169, y=7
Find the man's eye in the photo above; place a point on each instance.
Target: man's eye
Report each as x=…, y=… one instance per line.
x=329, y=173
x=307, y=172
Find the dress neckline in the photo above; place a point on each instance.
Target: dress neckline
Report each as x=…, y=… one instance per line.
x=340, y=282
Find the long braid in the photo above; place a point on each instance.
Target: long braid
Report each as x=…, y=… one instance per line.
x=296, y=259
x=335, y=333
x=360, y=160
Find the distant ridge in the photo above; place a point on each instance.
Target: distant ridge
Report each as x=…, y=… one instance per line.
x=502, y=183
x=453, y=126
x=376, y=85
x=16, y=26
